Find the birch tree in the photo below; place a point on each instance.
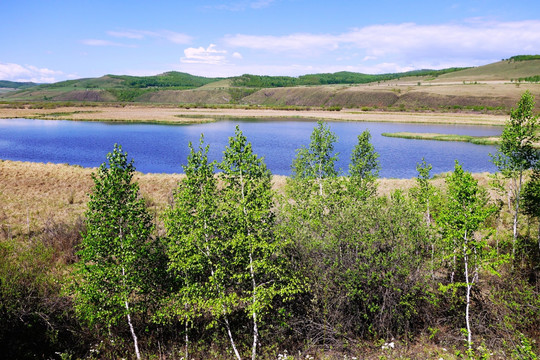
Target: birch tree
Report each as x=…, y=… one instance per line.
x=221, y=243
x=258, y=272
x=116, y=255
x=364, y=168
x=424, y=194
x=317, y=161
x=193, y=245
x=517, y=153
x=460, y=221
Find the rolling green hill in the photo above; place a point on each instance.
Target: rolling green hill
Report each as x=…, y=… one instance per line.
x=505, y=70
x=420, y=89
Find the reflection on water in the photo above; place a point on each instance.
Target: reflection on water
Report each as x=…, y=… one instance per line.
x=164, y=148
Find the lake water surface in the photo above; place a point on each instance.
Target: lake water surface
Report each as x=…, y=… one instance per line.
x=161, y=148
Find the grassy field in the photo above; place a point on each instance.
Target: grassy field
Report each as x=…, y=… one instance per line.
x=33, y=193
x=479, y=140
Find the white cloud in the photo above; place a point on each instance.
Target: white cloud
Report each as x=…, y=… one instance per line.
x=201, y=55
x=24, y=73
x=172, y=36
x=289, y=43
x=98, y=42
x=243, y=5
x=237, y=55
x=260, y=4
x=126, y=34
x=175, y=37
x=472, y=39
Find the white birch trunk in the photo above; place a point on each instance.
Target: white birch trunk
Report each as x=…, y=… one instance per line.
x=254, y=313
x=539, y=234
x=517, y=195
x=236, y=353
x=516, y=213
x=252, y=274
x=136, y=344
x=131, y=329
x=468, y=294
x=186, y=339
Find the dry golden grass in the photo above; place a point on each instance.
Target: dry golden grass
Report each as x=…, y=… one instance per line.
x=32, y=193
x=176, y=115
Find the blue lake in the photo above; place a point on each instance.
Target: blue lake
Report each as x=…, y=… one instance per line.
x=160, y=148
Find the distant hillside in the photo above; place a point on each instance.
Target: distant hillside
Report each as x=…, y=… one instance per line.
x=16, y=85
x=505, y=70
x=492, y=87
x=121, y=88
x=169, y=80
x=126, y=88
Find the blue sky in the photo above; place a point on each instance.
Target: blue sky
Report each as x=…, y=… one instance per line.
x=53, y=40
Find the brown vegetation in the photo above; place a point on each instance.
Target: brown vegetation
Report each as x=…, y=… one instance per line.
x=32, y=194
x=146, y=113
x=186, y=97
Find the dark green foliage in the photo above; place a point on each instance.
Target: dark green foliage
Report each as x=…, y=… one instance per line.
x=364, y=263
x=16, y=85
x=170, y=79
x=81, y=84
x=382, y=263
x=363, y=259
x=128, y=95
x=531, y=206
x=343, y=77
x=258, y=81
x=531, y=196
x=433, y=73
x=525, y=57
x=36, y=319
x=535, y=79
x=238, y=94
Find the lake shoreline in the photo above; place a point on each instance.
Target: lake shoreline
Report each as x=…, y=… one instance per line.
x=175, y=115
